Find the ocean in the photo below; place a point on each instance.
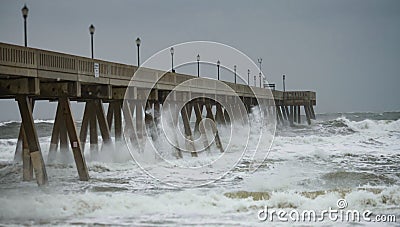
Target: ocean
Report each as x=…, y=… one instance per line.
x=352, y=157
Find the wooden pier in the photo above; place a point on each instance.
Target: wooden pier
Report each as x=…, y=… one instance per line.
x=29, y=74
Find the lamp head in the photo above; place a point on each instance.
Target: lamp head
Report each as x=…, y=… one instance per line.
x=91, y=29
x=25, y=11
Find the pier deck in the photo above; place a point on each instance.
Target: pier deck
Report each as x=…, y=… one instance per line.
x=29, y=74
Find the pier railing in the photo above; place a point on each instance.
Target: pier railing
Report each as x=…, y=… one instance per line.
x=31, y=62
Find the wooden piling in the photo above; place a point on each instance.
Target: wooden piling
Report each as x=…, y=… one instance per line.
x=117, y=120
x=200, y=128
x=74, y=140
x=129, y=127
x=287, y=112
x=18, y=156
x=279, y=113
x=63, y=133
x=219, y=115
x=103, y=125
x=188, y=132
x=215, y=129
x=312, y=113
x=291, y=115
x=284, y=115
x=32, y=139
x=298, y=115
x=174, y=113
x=139, y=119
x=114, y=115
x=84, y=126
x=307, y=111
x=226, y=114
x=55, y=135
x=94, y=140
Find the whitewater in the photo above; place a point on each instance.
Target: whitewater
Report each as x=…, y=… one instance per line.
x=351, y=156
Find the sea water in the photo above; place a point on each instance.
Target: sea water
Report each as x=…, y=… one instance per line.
x=351, y=156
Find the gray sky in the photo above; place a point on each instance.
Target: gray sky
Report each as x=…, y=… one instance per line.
x=348, y=51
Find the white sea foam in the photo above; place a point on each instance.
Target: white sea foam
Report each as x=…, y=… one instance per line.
x=309, y=167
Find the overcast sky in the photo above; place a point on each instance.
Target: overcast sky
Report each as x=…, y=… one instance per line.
x=348, y=51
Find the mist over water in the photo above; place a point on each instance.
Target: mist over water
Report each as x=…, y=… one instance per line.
x=355, y=156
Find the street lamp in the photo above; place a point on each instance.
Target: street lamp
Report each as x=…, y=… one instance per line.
x=198, y=65
x=283, y=78
x=234, y=68
x=138, y=41
x=259, y=62
x=248, y=77
x=25, y=11
x=172, y=59
x=218, y=63
x=91, y=30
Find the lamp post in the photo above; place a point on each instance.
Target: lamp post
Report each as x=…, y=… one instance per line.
x=138, y=41
x=259, y=62
x=198, y=65
x=234, y=68
x=91, y=30
x=172, y=59
x=248, y=77
x=218, y=63
x=25, y=11
x=283, y=78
